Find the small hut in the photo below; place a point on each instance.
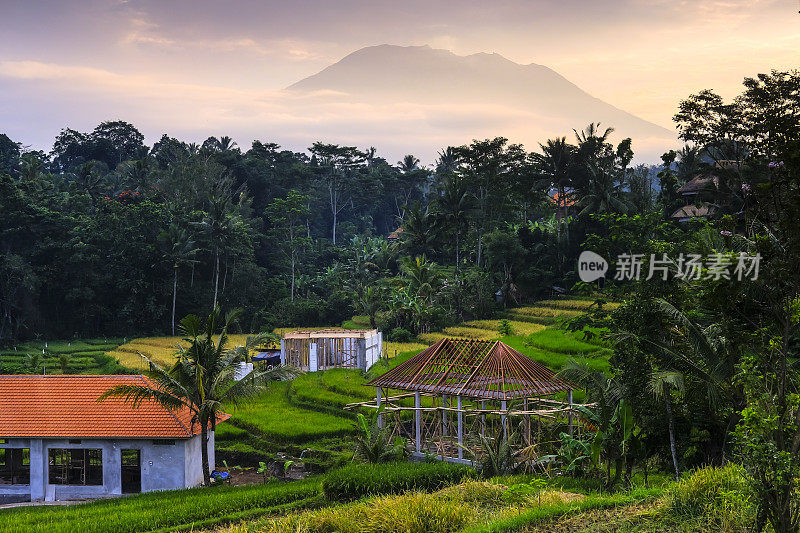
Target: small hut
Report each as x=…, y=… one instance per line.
x=332, y=348
x=463, y=388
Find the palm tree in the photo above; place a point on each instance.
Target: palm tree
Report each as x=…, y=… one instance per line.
x=602, y=192
x=408, y=164
x=661, y=385
x=418, y=230
x=454, y=206
x=556, y=165
x=201, y=380
x=217, y=224
x=179, y=249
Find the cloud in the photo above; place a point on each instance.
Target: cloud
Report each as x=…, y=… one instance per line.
x=295, y=119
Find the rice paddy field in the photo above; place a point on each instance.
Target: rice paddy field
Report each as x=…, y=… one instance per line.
x=88, y=356
x=304, y=421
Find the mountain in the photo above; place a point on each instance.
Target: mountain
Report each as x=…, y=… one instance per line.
x=479, y=92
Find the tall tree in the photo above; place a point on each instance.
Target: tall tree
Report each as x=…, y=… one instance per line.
x=287, y=216
x=179, y=249
x=337, y=164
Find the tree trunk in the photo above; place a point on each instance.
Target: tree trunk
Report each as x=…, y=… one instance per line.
x=204, y=452
x=174, y=295
x=216, y=276
x=293, y=262
x=671, y=421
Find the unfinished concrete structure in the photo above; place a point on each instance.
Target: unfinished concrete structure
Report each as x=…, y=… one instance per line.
x=58, y=443
x=466, y=388
x=332, y=348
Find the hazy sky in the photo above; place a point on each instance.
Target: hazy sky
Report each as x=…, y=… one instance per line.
x=196, y=68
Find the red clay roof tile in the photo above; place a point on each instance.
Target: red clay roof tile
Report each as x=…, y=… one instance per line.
x=67, y=406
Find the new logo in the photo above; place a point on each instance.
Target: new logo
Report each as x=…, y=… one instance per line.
x=591, y=266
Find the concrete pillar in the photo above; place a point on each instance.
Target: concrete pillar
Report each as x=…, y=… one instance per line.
x=380, y=415
x=283, y=351
x=569, y=399
x=418, y=421
x=460, y=429
x=312, y=357
x=504, y=417
x=39, y=464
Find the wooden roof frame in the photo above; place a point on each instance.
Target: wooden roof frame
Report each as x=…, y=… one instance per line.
x=480, y=369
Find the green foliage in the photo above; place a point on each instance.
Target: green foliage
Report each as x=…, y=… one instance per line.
x=717, y=498
x=357, y=480
x=504, y=328
x=374, y=444
x=400, y=335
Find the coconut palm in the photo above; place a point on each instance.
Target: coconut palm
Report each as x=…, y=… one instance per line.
x=408, y=164
x=179, y=248
x=218, y=223
x=202, y=378
x=454, y=206
x=662, y=384
x=556, y=165
x=602, y=192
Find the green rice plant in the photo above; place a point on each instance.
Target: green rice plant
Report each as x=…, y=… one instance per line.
x=309, y=389
x=167, y=510
x=719, y=498
x=271, y=415
x=358, y=480
x=472, y=333
x=410, y=513
x=556, y=340
x=542, y=311
x=576, y=304
x=348, y=382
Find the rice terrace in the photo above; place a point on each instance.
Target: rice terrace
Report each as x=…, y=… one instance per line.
x=412, y=267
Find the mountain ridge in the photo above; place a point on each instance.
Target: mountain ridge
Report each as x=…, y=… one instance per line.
x=433, y=76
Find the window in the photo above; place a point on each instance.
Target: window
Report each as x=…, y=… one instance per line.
x=75, y=467
x=15, y=466
x=163, y=442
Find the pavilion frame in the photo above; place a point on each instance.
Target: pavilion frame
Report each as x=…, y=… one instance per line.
x=462, y=388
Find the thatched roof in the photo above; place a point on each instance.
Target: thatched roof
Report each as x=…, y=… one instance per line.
x=487, y=370
x=699, y=184
x=694, y=211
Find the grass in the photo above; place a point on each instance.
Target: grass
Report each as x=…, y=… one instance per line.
x=540, y=311
x=472, y=333
x=272, y=416
x=161, y=350
x=157, y=511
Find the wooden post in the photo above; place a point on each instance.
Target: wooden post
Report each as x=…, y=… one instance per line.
x=380, y=415
x=444, y=415
x=418, y=421
x=569, y=399
x=460, y=429
x=504, y=417
x=527, y=419
x=483, y=418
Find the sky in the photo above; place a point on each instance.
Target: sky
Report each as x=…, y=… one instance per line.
x=194, y=68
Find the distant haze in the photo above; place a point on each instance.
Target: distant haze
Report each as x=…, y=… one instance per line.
x=195, y=68
x=480, y=95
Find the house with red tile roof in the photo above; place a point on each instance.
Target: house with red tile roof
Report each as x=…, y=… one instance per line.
x=57, y=442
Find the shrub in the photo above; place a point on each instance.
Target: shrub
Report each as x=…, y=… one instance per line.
x=720, y=498
x=400, y=335
x=504, y=328
x=357, y=480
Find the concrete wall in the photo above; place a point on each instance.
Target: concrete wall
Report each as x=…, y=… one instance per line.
x=164, y=467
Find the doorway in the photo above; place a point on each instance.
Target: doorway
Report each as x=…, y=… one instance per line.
x=131, y=471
